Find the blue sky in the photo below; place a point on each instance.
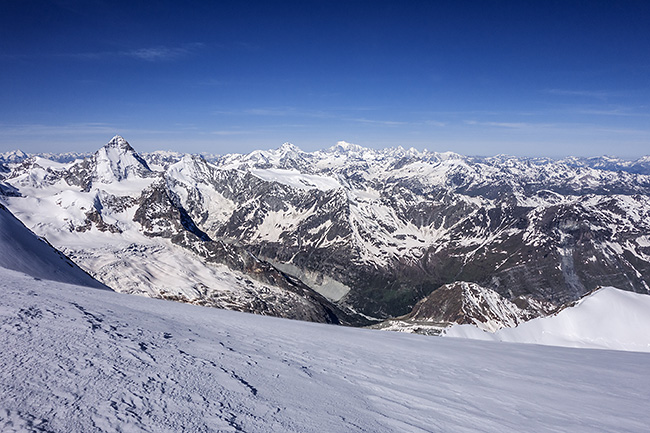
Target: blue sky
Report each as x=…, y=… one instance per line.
x=547, y=78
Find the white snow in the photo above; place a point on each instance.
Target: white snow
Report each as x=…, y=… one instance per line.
x=296, y=179
x=606, y=319
x=643, y=241
x=130, y=262
x=116, y=161
x=499, y=312
x=76, y=359
x=23, y=251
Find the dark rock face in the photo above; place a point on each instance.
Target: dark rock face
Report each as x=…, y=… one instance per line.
x=160, y=216
x=469, y=303
x=8, y=190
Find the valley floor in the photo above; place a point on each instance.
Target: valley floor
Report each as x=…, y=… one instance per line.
x=75, y=359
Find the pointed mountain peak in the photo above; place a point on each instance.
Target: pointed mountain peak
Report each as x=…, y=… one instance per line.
x=13, y=156
x=119, y=142
x=289, y=148
x=117, y=160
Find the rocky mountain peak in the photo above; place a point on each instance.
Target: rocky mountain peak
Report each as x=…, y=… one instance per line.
x=464, y=302
x=14, y=156
x=119, y=142
x=117, y=161
x=288, y=148
x=190, y=168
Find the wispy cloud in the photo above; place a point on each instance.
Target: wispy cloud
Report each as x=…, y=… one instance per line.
x=509, y=125
x=148, y=54
x=162, y=53
x=435, y=123
x=27, y=129
x=568, y=129
x=379, y=122
x=317, y=114
x=89, y=128
x=614, y=111
x=276, y=112
x=230, y=132
x=596, y=94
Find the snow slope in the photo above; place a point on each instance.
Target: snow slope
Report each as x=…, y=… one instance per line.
x=608, y=318
x=76, y=359
x=23, y=251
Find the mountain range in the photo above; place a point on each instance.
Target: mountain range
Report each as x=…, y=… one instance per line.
x=344, y=235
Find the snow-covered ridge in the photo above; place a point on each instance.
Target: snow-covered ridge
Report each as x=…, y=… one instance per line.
x=295, y=179
x=21, y=250
x=608, y=318
x=465, y=303
x=13, y=156
x=77, y=359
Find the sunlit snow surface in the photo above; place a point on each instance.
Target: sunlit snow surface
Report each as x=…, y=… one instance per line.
x=295, y=179
x=607, y=319
x=76, y=359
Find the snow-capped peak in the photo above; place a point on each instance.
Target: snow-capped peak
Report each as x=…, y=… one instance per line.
x=643, y=159
x=13, y=156
x=288, y=148
x=191, y=169
x=117, y=160
x=345, y=147
x=119, y=142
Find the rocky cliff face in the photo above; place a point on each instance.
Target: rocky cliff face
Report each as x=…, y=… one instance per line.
x=467, y=303
x=356, y=229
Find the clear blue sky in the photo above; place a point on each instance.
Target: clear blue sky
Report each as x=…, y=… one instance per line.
x=545, y=78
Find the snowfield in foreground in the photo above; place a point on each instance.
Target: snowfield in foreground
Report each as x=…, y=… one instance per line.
x=609, y=318
x=77, y=359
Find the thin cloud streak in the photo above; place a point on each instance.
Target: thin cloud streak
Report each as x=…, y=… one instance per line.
x=163, y=53
x=230, y=132
x=597, y=94
x=275, y=112
x=293, y=112
x=625, y=112
x=560, y=128
x=26, y=130
x=380, y=122
x=147, y=54
x=509, y=125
